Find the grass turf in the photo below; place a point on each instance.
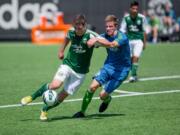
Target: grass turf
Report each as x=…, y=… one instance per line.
x=24, y=67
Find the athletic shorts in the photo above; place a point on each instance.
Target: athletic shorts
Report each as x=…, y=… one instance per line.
x=109, y=80
x=136, y=47
x=71, y=79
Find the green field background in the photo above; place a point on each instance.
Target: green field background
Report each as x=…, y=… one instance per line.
x=24, y=67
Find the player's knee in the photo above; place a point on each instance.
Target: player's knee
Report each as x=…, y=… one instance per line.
x=93, y=87
x=54, y=85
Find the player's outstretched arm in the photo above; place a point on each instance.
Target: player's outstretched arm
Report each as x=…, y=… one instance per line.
x=101, y=41
x=62, y=49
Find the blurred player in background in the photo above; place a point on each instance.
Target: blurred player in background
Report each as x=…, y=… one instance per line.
x=116, y=66
x=133, y=25
x=75, y=65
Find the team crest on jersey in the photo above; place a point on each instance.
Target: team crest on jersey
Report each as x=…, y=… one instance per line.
x=128, y=18
x=85, y=40
x=138, y=22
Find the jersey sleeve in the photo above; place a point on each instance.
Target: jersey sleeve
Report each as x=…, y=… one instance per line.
x=123, y=26
x=68, y=35
x=92, y=34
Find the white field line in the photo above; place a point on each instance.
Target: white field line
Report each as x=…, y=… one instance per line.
x=156, y=78
x=129, y=94
x=125, y=92
x=95, y=98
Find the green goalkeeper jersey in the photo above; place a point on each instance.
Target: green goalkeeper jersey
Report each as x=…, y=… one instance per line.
x=133, y=27
x=79, y=54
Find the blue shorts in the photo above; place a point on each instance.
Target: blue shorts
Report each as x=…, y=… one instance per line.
x=111, y=80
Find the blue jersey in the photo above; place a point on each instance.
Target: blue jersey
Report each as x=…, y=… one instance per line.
x=118, y=57
x=117, y=64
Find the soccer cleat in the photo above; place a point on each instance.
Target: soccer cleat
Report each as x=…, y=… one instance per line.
x=133, y=79
x=104, y=106
x=26, y=100
x=79, y=115
x=43, y=116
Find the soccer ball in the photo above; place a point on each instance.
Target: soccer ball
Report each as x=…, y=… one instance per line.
x=50, y=97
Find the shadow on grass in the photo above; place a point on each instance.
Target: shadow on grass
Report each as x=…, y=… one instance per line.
x=88, y=117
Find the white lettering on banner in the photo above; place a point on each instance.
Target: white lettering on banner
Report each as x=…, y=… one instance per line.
x=12, y=9
x=18, y=14
x=24, y=9
x=50, y=34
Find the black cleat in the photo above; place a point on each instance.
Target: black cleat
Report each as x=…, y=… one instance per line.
x=79, y=115
x=104, y=106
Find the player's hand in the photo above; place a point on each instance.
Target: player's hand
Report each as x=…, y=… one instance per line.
x=91, y=42
x=61, y=55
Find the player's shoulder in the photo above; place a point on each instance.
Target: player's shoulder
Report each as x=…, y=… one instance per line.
x=127, y=16
x=121, y=33
x=141, y=15
x=71, y=31
x=122, y=37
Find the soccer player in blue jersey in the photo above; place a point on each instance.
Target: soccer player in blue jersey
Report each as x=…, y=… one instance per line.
x=116, y=66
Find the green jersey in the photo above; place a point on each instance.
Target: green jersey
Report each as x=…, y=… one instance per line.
x=79, y=54
x=133, y=27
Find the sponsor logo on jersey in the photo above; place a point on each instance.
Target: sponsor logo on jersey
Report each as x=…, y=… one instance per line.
x=78, y=49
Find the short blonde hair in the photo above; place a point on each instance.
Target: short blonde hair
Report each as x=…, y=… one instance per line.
x=112, y=18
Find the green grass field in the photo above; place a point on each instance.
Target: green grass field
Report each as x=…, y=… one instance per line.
x=149, y=107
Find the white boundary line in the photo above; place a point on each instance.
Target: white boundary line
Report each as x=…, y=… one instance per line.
x=156, y=78
x=119, y=91
x=125, y=92
x=95, y=98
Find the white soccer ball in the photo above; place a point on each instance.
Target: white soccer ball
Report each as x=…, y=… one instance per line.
x=50, y=97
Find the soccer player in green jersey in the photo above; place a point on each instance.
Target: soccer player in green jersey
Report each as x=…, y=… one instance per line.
x=133, y=25
x=75, y=65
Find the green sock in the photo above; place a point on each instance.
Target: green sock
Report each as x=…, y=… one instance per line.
x=134, y=69
x=40, y=91
x=46, y=107
x=86, y=100
x=107, y=99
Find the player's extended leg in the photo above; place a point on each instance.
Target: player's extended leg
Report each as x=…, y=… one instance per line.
x=106, y=98
x=110, y=86
x=87, y=99
x=55, y=84
x=61, y=96
x=71, y=85
x=134, y=69
x=135, y=54
x=59, y=78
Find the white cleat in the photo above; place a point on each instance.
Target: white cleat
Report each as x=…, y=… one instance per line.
x=133, y=79
x=26, y=100
x=43, y=116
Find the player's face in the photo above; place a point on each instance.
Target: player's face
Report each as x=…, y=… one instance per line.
x=80, y=27
x=110, y=28
x=134, y=10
